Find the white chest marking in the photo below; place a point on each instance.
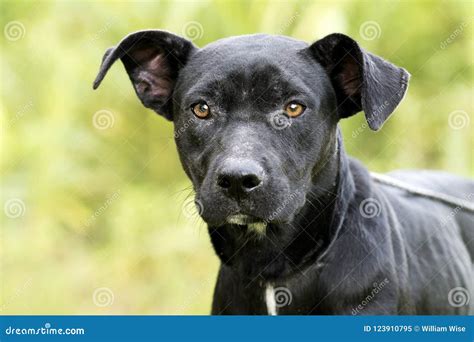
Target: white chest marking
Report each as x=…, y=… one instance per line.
x=270, y=300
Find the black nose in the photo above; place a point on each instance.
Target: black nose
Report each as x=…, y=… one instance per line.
x=239, y=177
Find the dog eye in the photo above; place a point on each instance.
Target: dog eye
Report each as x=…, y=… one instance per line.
x=201, y=110
x=294, y=109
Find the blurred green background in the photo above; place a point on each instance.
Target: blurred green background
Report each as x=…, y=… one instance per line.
x=96, y=216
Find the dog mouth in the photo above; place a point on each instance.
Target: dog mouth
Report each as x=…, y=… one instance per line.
x=254, y=224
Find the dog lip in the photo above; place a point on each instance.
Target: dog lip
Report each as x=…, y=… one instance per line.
x=242, y=219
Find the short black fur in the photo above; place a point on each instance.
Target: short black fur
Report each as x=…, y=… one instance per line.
x=300, y=224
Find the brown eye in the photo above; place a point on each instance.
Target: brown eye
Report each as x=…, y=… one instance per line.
x=201, y=110
x=294, y=109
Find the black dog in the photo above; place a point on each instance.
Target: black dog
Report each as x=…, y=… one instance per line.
x=299, y=226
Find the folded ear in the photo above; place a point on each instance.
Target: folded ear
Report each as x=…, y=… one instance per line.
x=362, y=81
x=152, y=59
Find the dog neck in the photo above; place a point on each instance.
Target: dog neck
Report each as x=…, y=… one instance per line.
x=320, y=220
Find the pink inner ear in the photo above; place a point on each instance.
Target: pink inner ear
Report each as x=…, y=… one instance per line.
x=350, y=77
x=154, y=74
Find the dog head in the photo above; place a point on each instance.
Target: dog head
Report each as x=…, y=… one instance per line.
x=255, y=116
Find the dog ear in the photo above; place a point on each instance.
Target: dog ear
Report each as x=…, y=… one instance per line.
x=152, y=59
x=362, y=81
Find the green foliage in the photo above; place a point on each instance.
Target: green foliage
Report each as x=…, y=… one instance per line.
x=103, y=207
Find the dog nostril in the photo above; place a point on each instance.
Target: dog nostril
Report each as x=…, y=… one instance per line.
x=250, y=181
x=237, y=177
x=224, y=182
x=246, y=182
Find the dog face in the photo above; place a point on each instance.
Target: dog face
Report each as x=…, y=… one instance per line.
x=255, y=117
x=266, y=118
